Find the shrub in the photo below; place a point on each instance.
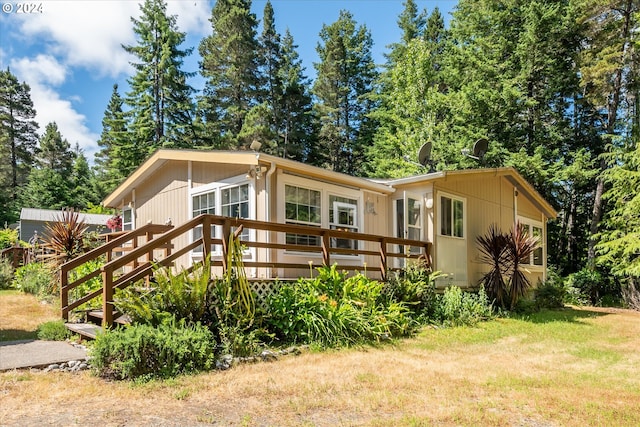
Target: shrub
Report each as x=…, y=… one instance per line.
x=66, y=235
x=146, y=352
x=552, y=293
x=415, y=287
x=594, y=286
x=54, y=330
x=6, y=273
x=182, y=296
x=35, y=278
x=334, y=310
x=88, y=286
x=459, y=308
x=8, y=238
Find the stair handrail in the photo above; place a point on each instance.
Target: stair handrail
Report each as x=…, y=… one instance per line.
x=67, y=267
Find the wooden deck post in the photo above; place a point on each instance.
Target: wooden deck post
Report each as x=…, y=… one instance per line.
x=107, y=297
x=206, y=238
x=64, y=293
x=326, y=245
x=226, y=232
x=383, y=259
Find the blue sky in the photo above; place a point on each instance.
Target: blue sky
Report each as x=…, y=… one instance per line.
x=70, y=54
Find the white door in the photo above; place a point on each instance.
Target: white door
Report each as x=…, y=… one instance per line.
x=451, y=241
x=409, y=214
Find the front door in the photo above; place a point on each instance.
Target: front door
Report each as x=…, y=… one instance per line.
x=409, y=213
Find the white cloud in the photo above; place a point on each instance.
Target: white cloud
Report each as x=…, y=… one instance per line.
x=41, y=74
x=193, y=16
x=88, y=34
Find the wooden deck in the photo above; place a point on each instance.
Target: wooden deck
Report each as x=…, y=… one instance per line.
x=152, y=246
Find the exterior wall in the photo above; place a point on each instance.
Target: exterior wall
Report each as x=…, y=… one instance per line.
x=488, y=199
x=29, y=227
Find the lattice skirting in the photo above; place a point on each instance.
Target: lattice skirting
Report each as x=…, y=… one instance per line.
x=264, y=288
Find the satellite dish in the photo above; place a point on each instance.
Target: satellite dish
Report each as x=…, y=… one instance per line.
x=255, y=145
x=479, y=149
x=424, y=154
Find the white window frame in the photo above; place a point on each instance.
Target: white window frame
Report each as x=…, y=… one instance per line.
x=297, y=221
x=132, y=224
x=326, y=190
x=218, y=187
x=531, y=223
x=453, y=198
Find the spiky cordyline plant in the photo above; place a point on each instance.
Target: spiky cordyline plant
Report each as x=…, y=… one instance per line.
x=493, y=251
x=520, y=245
x=65, y=235
x=505, y=253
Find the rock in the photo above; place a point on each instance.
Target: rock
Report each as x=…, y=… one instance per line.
x=268, y=356
x=224, y=362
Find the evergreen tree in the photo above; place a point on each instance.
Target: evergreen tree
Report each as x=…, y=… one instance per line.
x=18, y=140
x=50, y=183
x=230, y=65
x=412, y=25
x=343, y=87
x=413, y=109
x=85, y=191
x=160, y=98
x=119, y=154
x=297, y=129
x=609, y=76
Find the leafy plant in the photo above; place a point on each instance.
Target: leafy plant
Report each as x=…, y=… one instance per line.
x=493, y=251
x=6, y=273
x=88, y=286
x=505, y=253
x=594, y=286
x=552, y=293
x=54, y=330
x=8, y=237
x=459, y=308
x=35, y=278
x=66, y=234
x=333, y=310
x=146, y=352
x=183, y=296
x=415, y=287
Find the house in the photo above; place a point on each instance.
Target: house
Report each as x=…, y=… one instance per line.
x=34, y=221
x=448, y=208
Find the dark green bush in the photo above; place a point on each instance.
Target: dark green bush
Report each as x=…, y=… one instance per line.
x=146, y=352
x=6, y=273
x=333, y=310
x=552, y=293
x=35, y=278
x=595, y=287
x=53, y=331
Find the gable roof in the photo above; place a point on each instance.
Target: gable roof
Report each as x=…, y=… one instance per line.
x=508, y=173
x=47, y=215
x=249, y=158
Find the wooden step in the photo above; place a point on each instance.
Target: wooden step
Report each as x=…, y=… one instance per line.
x=85, y=330
x=98, y=315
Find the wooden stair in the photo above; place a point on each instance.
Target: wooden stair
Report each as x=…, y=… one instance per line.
x=93, y=324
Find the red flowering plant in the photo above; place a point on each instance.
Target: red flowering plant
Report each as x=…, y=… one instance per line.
x=114, y=223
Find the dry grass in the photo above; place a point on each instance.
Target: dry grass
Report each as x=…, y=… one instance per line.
x=566, y=368
x=20, y=315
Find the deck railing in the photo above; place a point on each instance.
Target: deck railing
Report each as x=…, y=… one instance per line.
x=215, y=232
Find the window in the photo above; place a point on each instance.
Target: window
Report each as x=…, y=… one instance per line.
x=451, y=216
x=230, y=198
x=343, y=215
x=302, y=206
x=235, y=203
x=203, y=204
x=534, y=229
x=127, y=219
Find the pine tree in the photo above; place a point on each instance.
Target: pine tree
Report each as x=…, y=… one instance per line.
x=344, y=83
x=298, y=127
x=18, y=140
x=162, y=110
x=119, y=154
x=230, y=65
x=412, y=25
x=50, y=182
x=609, y=76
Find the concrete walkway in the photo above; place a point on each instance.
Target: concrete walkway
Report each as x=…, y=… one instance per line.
x=37, y=354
